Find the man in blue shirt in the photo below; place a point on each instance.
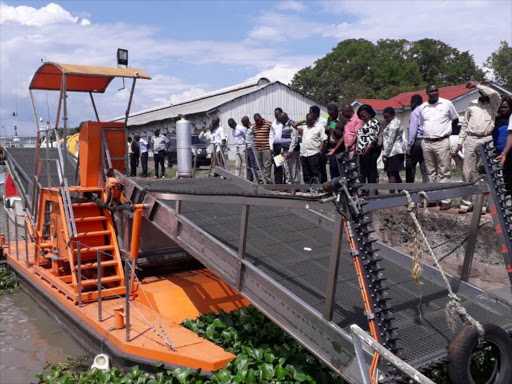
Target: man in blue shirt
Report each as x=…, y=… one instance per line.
x=413, y=151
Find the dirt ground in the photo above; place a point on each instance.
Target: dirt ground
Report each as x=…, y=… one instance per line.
x=447, y=233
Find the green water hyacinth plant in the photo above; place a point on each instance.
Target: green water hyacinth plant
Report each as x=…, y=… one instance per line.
x=264, y=354
x=8, y=280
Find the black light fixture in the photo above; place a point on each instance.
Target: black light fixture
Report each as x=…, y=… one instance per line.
x=122, y=57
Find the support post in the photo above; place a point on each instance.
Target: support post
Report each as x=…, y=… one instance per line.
x=334, y=262
x=16, y=236
x=65, y=123
x=7, y=223
x=177, y=211
x=79, y=269
x=361, y=362
x=127, y=297
x=94, y=106
x=242, y=242
x=98, y=277
x=27, y=264
x=127, y=113
x=472, y=236
x=134, y=245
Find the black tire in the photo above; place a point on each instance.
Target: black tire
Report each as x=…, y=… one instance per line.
x=465, y=344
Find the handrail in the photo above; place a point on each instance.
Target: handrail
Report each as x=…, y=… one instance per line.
x=59, y=150
x=359, y=335
x=66, y=200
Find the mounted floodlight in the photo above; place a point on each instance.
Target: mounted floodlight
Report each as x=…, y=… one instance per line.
x=122, y=57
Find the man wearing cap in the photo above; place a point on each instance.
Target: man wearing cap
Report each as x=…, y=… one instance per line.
x=476, y=129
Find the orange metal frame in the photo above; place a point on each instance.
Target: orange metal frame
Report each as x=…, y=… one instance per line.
x=53, y=267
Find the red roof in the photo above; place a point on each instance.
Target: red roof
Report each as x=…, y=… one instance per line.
x=379, y=105
x=403, y=100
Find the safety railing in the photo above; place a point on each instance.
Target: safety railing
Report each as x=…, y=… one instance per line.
x=129, y=272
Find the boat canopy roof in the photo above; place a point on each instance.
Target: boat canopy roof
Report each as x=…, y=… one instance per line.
x=80, y=78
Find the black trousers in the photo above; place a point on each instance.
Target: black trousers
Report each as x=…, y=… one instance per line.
x=334, y=169
x=323, y=166
x=412, y=162
x=159, y=160
x=278, y=171
x=134, y=159
x=368, y=172
x=507, y=173
x=144, y=163
x=311, y=168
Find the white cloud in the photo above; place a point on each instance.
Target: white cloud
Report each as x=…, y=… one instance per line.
x=276, y=27
x=280, y=72
x=291, y=5
x=268, y=33
x=50, y=32
x=50, y=14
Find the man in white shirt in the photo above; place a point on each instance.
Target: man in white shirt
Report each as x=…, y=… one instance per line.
x=239, y=138
x=437, y=116
x=160, y=144
x=274, y=139
x=476, y=129
x=143, y=145
x=215, y=139
x=313, y=139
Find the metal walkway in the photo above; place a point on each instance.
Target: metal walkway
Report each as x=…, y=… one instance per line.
x=286, y=263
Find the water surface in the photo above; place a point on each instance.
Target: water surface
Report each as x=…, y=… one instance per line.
x=30, y=337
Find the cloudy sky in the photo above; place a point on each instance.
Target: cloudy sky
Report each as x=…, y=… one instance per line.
x=192, y=47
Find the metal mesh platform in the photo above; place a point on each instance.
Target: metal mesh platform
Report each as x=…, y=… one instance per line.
x=278, y=243
x=23, y=160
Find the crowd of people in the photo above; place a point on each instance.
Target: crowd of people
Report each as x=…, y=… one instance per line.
x=283, y=151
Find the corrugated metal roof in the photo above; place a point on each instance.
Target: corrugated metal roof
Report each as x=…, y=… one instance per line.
x=203, y=103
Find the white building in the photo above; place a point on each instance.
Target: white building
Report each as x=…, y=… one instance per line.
x=246, y=99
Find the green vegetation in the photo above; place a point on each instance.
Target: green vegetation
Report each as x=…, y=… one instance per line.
x=265, y=354
x=358, y=68
x=501, y=64
x=8, y=280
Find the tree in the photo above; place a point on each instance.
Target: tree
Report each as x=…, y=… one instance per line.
x=501, y=64
x=357, y=68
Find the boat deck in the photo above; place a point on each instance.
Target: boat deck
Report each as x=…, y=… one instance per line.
x=149, y=308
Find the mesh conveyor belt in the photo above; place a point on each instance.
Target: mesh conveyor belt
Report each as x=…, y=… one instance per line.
x=275, y=243
x=220, y=187
x=25, y=157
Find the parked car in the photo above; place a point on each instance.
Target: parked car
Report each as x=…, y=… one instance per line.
x=198, y=147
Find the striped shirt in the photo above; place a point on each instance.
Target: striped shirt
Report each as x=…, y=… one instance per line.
x=261, y=135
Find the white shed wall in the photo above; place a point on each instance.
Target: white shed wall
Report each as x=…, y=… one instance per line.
x=264, y=101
